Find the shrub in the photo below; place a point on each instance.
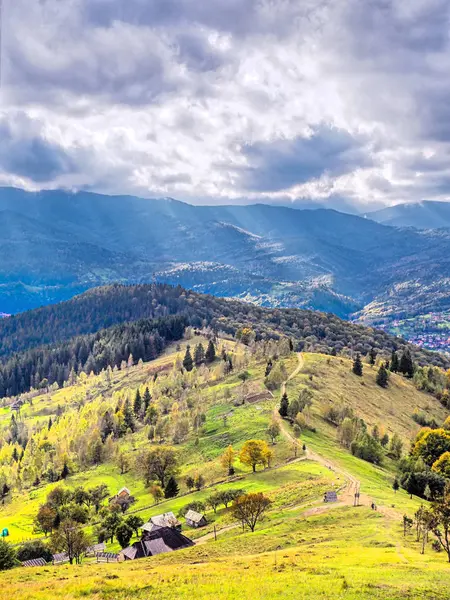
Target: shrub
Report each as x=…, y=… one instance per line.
x=34, y=549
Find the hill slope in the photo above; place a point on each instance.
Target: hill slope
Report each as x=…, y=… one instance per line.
x=56, y=325
x=302, y=548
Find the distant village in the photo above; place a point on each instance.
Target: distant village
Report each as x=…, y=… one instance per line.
x=430, y=331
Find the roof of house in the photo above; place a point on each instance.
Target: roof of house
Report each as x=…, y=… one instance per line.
x=96, y=548
x=331, y=496
x=60, y=557
x=124, y=489
x=34, y=562
x=167, y=519
x=159, y=541
x=194, y=516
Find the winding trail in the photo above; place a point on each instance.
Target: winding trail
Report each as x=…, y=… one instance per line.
x=353, y=485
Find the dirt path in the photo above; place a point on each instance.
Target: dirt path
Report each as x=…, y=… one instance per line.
x=347, y=495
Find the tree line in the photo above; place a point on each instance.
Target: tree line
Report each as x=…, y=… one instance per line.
x=41, y=367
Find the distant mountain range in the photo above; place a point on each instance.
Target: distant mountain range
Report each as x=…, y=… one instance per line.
x=422, y=215
x=55, y=244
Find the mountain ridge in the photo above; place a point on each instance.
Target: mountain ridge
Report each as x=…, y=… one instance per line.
x=272, y=255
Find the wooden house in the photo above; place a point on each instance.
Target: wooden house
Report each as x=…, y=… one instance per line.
x=157, y=541
x=195, y=519
x=167, y=519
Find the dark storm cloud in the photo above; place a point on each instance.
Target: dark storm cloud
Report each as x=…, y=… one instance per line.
x=25, y=152
x=279, y=165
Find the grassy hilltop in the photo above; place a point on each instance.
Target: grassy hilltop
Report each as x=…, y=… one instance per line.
x=303, y=548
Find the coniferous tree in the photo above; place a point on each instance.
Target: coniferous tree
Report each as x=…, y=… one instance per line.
x=382, y=376
x=128, y=417
x=394, y=362
x=65, y=471
x=50, y=423
x=199, y=354
x=268, y=368
x=357, y=366
x=372, y=356
x=147, y=399
x=406, y=365
x=188, y=363
x=137, y=406
x=284, y=406
x=171, y=490
x=210, y=354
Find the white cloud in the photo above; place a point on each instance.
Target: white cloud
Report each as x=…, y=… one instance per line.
x=219, y=101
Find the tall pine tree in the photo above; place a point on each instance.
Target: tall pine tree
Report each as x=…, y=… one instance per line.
x=137, y=406
x=382, y=376
x=171, y=490
x=284, y=405
x=199, y=354
x=147, y=399
x=394, y=362
x=128, y=417
x=406, y=365
x=188, y=363
x=357, y=366
x=210, y=352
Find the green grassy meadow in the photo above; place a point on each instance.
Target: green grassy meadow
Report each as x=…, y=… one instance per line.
x=302, y=548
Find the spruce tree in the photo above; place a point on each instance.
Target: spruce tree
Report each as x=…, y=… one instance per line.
x=268, y=368
x=171, y=490
x=406, y=365
x=382, y=376
x=199, y=354
x=394, y=362
x=284, y=406
x=137, y=406
x=188, y=363
x=357, y=366
x=65, y=471
x=147, y=399
x=128, y=417
x=210, y=352
x=50, y=423
x=372, y=356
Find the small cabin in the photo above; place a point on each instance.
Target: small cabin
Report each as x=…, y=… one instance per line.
x=123, y=493
x=167, y=519
x=195, y=519
x=330, y=497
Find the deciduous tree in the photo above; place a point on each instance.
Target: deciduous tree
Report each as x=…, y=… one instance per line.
x=250, y=509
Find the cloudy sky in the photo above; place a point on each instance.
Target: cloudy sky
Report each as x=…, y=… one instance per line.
x=228, y=100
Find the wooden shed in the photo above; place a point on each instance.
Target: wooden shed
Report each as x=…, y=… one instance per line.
x=195, y=519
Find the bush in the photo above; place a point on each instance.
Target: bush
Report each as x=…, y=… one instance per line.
x=197, y=506
x=365, y=447
x=424, y=420
x=34, y=549
x=8, y=558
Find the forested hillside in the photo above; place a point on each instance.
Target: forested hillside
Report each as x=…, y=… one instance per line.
x=271, y=255
x=41, y=347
